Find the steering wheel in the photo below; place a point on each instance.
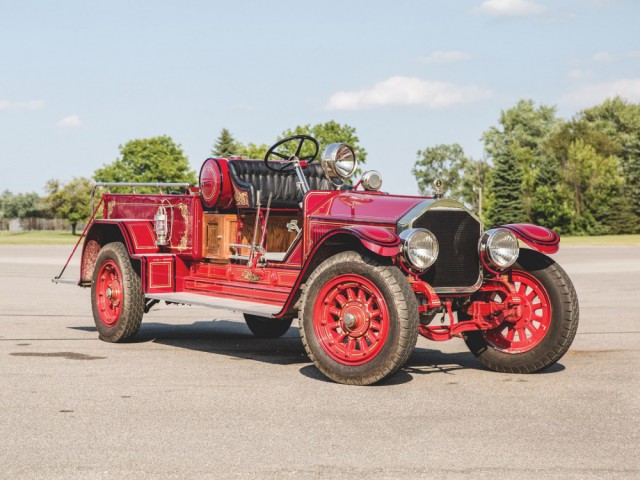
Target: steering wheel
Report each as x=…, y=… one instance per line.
x=283, y=154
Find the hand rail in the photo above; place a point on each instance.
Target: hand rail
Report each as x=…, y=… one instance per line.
x=158, y=185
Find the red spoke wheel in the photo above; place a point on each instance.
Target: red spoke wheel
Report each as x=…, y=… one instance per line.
x=359, y=319
x=351, y=319
x=547, y=327
x=109, y=293
x=529, y=330
x=116, y=292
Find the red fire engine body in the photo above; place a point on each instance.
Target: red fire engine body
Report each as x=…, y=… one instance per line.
x=364, y=271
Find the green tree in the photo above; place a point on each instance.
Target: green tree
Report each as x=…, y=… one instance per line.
x=330, y=132
x=506, y=186
x=552, y=204
x=225, y=146
x=444, y=162
x=611, y=129
x=71, y=201
x=474, y=187
x=22, y=205
x=520, y=138
x=593, y=181
x=253, y=151
x=619, y=122
x=157, y=159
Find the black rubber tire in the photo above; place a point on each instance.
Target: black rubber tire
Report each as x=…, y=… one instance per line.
x=562, y=328
x=264, y=327
x=130, y=317
x=403, y=318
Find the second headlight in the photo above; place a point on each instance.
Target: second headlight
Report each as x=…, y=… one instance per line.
x=499, y=248
x=419, y=248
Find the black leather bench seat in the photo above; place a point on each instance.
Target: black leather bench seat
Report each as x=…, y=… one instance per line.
x=251, y=176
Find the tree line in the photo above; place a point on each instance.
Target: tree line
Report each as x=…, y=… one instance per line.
x=150, y=160
x=578, y=176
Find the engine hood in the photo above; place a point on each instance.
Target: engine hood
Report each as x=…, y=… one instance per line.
x=358, y=206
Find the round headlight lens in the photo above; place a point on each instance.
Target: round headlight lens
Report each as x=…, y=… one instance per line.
x=419, y=248
x=500, y=248
x=338, y=161
x=345, y=161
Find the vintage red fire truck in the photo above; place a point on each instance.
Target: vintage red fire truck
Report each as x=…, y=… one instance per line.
x=363, y=271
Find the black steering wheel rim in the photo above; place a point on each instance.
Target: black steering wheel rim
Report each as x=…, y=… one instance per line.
x=288, y=163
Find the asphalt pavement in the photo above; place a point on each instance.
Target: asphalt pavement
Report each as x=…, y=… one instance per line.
x=197, y=396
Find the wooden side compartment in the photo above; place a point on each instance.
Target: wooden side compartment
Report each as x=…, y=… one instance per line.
x=219, y=232
x=278, y=237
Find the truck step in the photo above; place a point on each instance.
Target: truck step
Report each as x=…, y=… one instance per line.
x=217, y=302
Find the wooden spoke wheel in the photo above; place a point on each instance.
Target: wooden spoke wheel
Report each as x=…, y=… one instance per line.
x=547, y=326
x=116, y=294
x=359, y=319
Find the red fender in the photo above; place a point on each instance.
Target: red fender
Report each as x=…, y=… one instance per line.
x=138, y=235
x=91, y=247
x=539, y=238
x=377, y=239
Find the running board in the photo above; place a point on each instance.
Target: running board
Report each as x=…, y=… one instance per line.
x=241, y=306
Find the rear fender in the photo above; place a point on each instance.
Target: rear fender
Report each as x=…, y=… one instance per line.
x=137, y=236
x=542, y=239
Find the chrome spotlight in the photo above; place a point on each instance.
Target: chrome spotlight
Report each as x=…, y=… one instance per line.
x=338, y=162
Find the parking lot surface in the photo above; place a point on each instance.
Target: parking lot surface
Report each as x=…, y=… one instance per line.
x=197, y=396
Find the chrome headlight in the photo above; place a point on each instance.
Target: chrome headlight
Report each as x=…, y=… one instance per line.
x=371, y=180
x=338, y=162
x=499, y=248
x=419, y=248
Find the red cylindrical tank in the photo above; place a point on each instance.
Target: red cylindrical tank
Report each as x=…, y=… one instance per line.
x=215, y=185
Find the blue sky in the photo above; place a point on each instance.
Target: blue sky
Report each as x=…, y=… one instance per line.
x=79, y=78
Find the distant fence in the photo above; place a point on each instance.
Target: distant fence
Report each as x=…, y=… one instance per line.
x=22, y=224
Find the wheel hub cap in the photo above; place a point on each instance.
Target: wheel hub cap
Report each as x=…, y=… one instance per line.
x=355, y=319
x=349, y=320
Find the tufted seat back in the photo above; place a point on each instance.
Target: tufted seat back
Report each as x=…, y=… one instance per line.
x=251, y=176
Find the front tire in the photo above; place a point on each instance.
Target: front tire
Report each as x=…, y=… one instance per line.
x=117, y=299
x=547, y=327
x=359, y=319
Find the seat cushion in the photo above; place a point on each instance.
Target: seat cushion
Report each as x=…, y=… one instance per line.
x=251, y=176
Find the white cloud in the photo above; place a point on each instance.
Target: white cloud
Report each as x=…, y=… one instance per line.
x=70, y=122
x=443, y=57
x=27, y=106
x=588, y=95
x=400, y=90
x=510, y=8
x=615, y=57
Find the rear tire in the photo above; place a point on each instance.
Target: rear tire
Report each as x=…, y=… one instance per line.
x=264, y=327
x=116, y=295
x=359, y=319
x=547, y=328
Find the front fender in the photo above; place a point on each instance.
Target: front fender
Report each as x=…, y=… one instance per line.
x=539, y=238
x=377, y=239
